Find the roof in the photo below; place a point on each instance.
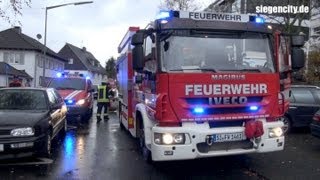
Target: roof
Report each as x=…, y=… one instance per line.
x=85, y=57
x=14, y=39
x=5, y=68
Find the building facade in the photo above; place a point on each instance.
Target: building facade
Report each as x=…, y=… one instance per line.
x=25, y=53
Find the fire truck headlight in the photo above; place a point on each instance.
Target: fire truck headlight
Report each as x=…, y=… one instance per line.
x=178, y=138
x=81, y=102
x=275, y=132
x=168, y=138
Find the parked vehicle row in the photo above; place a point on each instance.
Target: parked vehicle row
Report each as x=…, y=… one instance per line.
x=30, y=118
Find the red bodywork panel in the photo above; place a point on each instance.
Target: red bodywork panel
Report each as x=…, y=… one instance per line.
x=178, y=104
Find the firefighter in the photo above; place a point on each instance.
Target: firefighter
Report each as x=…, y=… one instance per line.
x=103, y=100
x=15, y=83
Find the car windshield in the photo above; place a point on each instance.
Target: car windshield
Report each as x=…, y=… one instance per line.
x=22, y=100
x=232, y=52
x=68, y=83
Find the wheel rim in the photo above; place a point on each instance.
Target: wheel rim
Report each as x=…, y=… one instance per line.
x=286, y=124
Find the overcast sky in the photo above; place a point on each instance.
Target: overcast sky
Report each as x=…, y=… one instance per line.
x=99, y=26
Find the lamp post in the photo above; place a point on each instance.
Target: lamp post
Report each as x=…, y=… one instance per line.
x=45, y=31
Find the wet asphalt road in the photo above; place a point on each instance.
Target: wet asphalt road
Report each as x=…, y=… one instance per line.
x=103, y=151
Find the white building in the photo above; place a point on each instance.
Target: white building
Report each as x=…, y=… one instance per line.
x=81, y=61
x=25, y=53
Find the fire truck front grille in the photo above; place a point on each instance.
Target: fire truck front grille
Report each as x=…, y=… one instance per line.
x=228, y=123
x=210, y=101
x=220, y=146
x=234, y=110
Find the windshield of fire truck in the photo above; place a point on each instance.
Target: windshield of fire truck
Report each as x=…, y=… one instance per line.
x=68, y=83
x=219, y=52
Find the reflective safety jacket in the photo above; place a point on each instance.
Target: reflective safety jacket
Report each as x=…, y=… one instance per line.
x=103, y=94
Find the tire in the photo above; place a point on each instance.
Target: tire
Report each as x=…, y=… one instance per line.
x=46, y=148
x=146, y=153
x=287, y=124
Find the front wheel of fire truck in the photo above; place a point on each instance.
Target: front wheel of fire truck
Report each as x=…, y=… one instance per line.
x=120, y=117
x=287, y=124
x=146, y=153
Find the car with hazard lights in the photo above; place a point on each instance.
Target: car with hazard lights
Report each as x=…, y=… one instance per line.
x=77, y=92
x=30, y=118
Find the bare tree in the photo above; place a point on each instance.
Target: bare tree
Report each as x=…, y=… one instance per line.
x=183, y=5
x=12, y=7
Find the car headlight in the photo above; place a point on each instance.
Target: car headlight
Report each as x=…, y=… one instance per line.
x=275, y=132
x=28, y=131
x=168, y=138
x=81, y=102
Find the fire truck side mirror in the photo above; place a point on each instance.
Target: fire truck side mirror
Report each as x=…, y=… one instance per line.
x=137, y=39
x=138, y=58
x=297, y=58
x=297, y=41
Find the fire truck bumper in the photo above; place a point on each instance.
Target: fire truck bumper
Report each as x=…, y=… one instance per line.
x=224, y=141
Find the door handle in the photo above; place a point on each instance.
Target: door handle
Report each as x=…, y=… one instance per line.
x=292, y=107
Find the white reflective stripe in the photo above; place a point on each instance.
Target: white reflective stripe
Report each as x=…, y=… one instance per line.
x=67, y=97
x=73, y=95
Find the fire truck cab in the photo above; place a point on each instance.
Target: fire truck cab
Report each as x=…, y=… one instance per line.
x=202, y=84
x=77, y=92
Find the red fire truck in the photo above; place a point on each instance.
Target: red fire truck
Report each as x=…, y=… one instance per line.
x=201, y=84
x=77, y=92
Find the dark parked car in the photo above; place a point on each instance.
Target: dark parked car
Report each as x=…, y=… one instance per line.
x=304, y=103
x=315, y=125
x=29, y=120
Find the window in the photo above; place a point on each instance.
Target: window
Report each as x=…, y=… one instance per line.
x=303, y=96
x=56, y=66
x=47, y=63
x=70, y=61
x=51, y=64
x=39, y=60
x=52, y=98
x=148, y=46
x=14, y=57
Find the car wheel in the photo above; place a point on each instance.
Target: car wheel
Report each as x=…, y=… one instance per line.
x=46, y=148
x=287, y=124
x=146, y=153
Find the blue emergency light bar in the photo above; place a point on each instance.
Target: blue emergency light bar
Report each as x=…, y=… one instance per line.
x=59, y=75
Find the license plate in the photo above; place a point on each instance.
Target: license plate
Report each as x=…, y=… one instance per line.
x=1, y=147
x=228, y=137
